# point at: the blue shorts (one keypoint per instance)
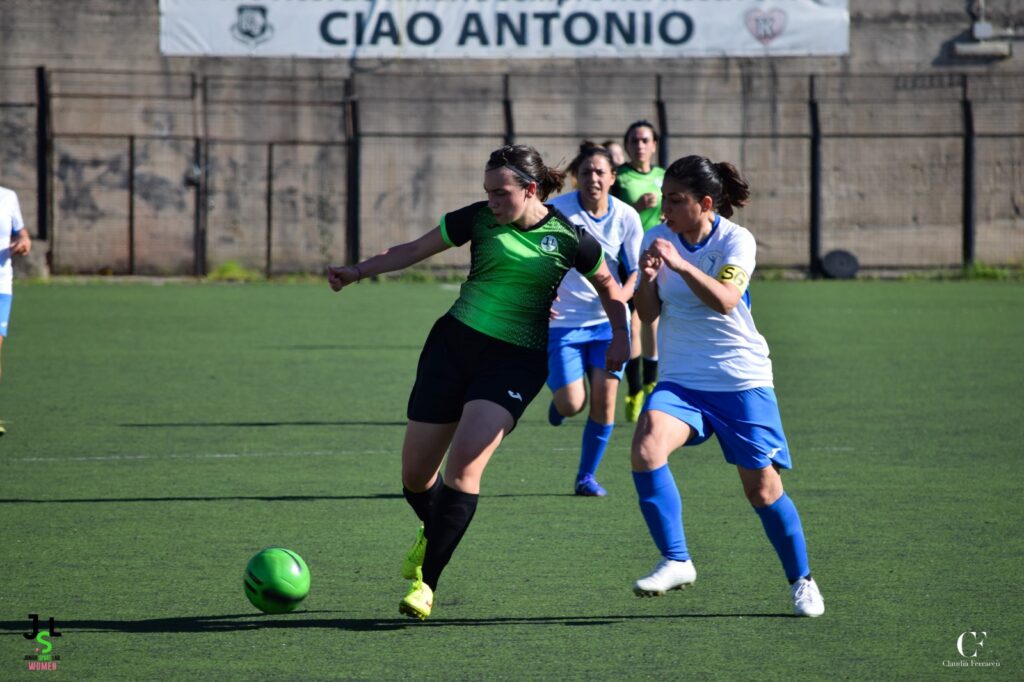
(5, 312)
(747, 423)
(574, 351)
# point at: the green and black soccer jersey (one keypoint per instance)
(514, 273)
(631, 184)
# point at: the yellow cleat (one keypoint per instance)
(634, 404)
(412, 566)
(418, 602)
(649, 389)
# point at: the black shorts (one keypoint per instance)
(459, 364)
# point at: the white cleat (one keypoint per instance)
(807, 600)
(667, 575)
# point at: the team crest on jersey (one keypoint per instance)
(549, 244)
(709, 262)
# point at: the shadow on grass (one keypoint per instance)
(226, 623)
(238, 622)
(525, 424)
(174, 425)
(201, 498)
(255, 498)
(347, 346)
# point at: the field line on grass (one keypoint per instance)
(218, 455)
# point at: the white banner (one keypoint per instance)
(504, 29)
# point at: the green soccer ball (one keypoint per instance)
(276, 580)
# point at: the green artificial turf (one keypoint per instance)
(159, 435)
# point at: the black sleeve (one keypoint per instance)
(457, 226)
(589, 255)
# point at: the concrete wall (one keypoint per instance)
(270, 138)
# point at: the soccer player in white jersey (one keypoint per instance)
(715, 375)
(580, 332)
(14, 241)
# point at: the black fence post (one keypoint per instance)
(969, 180)
(506, 105)
(201, 176)
(352, 174)
(270, 208)
(131, 204)
(42, 154)
(659, 104)
(200, 155)
(814, 269)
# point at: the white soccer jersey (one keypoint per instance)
(699, 348)
(619, 232)
(10, 224)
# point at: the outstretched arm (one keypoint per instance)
(389, 260)
(613, 300)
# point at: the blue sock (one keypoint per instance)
(782, 525)
(663, 511)
(555, 417)
(595, 442)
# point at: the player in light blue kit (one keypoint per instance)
(580, 332)
(715, 375)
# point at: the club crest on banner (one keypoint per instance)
(766, 26)
(252, 26)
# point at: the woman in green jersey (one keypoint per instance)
(639, 185)
(486, 359)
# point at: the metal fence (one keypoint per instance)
(177, 173)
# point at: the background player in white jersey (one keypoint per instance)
(14, 241)
(715, 375)
(580, 331)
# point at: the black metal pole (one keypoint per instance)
(969, 180)
(42, 154)
(352, 182)
(816, 180)
(199, 175)
(506, 105)
(659, 103)
(202, 161)
(199, 236)
(270, 207)
(131, 204)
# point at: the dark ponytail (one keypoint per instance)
(527, 166)
(720, 181)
